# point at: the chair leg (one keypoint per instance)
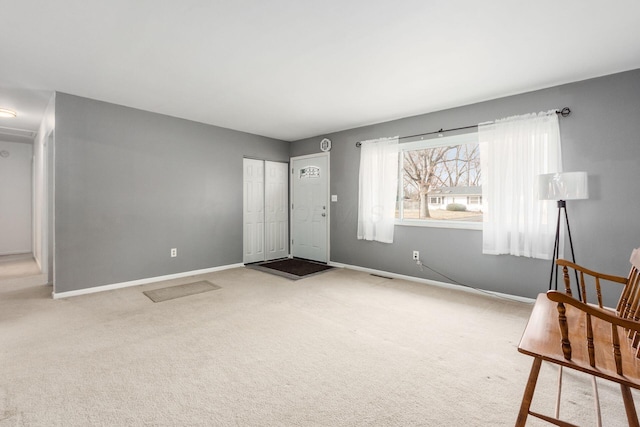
(629, 407)
(596, 398)
(528, 392)
(559, 393)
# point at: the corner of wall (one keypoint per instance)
(42, 189)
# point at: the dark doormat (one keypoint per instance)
(178, 291)
(291, 268)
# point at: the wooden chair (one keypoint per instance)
(586, 336)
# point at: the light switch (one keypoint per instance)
(334, 197)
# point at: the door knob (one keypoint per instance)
(324, 214)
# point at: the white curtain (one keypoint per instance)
(378, 189)
(513, 152)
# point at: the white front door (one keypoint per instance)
(253, 211)
(276, 202)
(310, 207)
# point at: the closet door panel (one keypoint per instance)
(276, 210)
(253, 211)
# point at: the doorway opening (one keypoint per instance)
(19, 167)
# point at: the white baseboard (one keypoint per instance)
(18, 252)
(429, 282)
(58, 295)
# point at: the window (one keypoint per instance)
(439, 183)
(474, 200)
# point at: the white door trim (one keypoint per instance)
(328, 204)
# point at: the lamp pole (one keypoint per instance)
(562, 205)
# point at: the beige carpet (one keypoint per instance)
(339, 349)
(15, 266)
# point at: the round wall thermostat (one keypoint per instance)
(325, 144)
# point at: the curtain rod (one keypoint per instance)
(564, 113)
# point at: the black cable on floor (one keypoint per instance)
(421, 264)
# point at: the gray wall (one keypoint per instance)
(130, 185)
(602, 137)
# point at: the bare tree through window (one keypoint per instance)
(438, 174)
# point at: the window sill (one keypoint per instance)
(461, 225)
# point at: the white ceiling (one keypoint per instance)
(291, 69)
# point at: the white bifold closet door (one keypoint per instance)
(265, 210)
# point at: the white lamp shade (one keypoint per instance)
(563, 186)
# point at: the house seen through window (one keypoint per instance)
(440, 182)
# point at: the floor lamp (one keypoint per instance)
(562, 187)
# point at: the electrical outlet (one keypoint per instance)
(174, 252)
(416, 255)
